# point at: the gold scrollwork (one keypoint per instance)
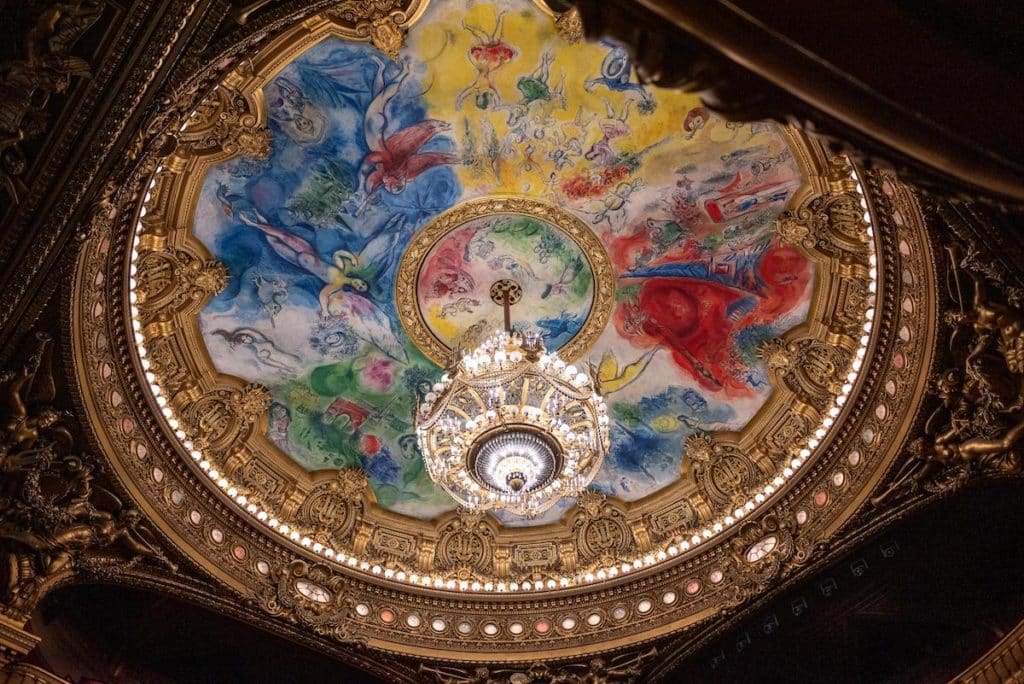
(225, 123)
(724, 472)
(222, 417)
(676, 516)
(599, 529)
(602, 534)
(173, 281)
(56, 520)
(810, 368)
(333, 507)
(312, 595)
(570, 26)
(392, 544)
(832, 224)
(466, 545)
(529, 558)
(384, 22)
(760, 552)
(29, 83)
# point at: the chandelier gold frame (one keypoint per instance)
(504, 386)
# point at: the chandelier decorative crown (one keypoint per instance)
(512, 426)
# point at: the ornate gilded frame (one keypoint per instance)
(206, 523)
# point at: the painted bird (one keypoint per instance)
(611, 378)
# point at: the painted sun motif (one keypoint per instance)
(487, 100)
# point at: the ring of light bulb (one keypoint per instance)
(515, 454)
(345, 558)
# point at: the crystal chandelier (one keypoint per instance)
(512, 426)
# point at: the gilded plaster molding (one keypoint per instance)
(646, 603)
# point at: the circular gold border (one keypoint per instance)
(423, 242)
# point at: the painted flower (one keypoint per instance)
(377, 375)
(370, 444)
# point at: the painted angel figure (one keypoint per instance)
(395, 157)
(488, 54)
(341, 296)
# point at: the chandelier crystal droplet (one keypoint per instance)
(513, 427)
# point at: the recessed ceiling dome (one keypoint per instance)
(321, 244)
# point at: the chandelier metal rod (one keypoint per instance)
(506, 304)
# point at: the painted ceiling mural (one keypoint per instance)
(485, 100)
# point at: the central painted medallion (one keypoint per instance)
(444, 281)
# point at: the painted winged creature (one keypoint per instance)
(616, 74)
(611, 377)
(535, 89)
(395, 158)
(340, 297)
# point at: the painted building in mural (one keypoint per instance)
(369, 151)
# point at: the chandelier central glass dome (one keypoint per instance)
(512, 426)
